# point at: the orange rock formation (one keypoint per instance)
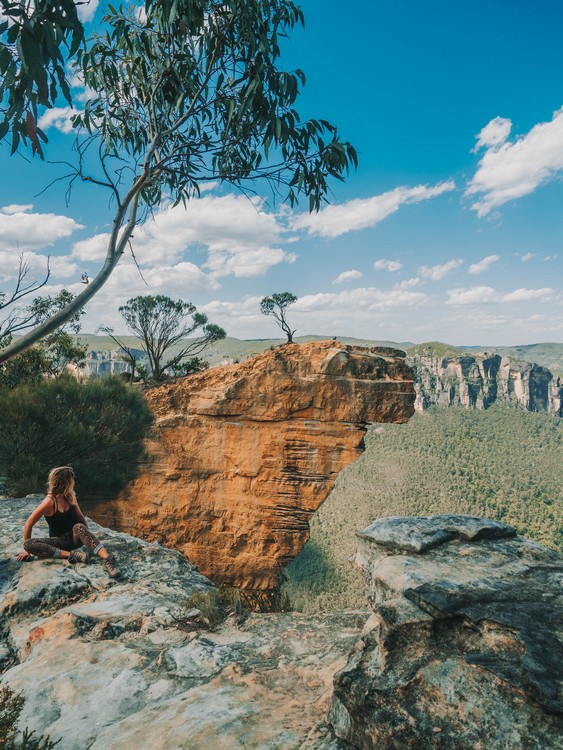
(240, 457)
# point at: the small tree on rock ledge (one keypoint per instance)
(276, 305)
(161, 323)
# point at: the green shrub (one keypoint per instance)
(96, 427)
(11, 706)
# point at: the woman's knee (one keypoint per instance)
(28, 545)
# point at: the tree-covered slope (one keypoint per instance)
(503, 463)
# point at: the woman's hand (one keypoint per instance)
(25, 555)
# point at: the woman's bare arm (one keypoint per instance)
(80, 515)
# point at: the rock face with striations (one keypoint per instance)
(477, 381)
(464, 650)
(241, 456)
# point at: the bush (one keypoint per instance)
(97, 427)
(11, 706)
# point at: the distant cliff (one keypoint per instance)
(478, 380)
(100, 363)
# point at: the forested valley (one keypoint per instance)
(502, 463)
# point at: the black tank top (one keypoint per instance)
(61, 522)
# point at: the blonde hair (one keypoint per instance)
(61, 482)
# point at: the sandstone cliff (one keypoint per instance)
(241, 456)
(464, 648)
(478, 381)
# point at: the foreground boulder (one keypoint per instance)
(241, 456)
(464, 649)
(126, 664)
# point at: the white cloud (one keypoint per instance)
(523, 295)
(179, 280)
(477, 295)
(367, 311)
(335, 220)
(240, 317)
(348, 276)
(63, 267)
(23, 230)
(245, 263)
(527, 256)
(388, 265)
(368, 298)
(92, 249)
(59, 118)
(16, 208)
(493, 134)
(408, 283)
(439, 271)
(551, 257)
(480, 295)
(238, 235)
(483, 265)
(87, 10)
(9, 265)
(510, 170)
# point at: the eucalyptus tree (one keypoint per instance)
(276, 305)
(165, 328)
(188, 93)
(36, 39)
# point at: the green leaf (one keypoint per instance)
(4, 128)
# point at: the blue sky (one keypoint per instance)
(450, 229)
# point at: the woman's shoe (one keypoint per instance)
(112, 568)
(77, 556)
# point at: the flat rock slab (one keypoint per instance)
(465, 645)
(423, 533)
(120, 664)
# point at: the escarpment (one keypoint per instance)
(240, 457)
(477, 381)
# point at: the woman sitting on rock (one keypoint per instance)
(67, 526)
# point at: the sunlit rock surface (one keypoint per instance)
(461, 652)
(464, 647)
(241, 456)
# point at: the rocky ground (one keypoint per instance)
(462, 649)
(125, 664)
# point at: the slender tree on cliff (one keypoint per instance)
(162, 323)
(276, 305)
(188, 93)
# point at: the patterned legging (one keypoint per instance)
(76, 538)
